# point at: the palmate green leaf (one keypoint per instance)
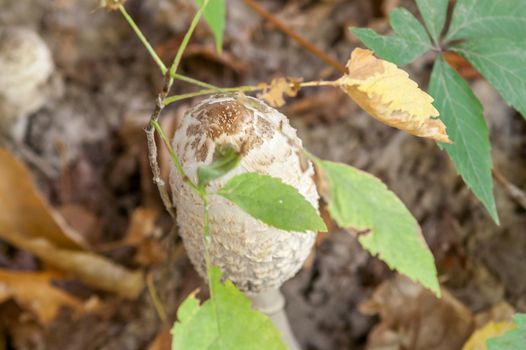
(226, 321)
(224, 160)
(474, 19)
(462, 113)
(503, 63)
(511, 340)
(409, 41)
(272, 201)
(361, 201)
(215, 17)
(434, 14)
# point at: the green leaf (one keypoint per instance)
(225, 159)
(275, 203)
(462, 113)
(474, 19)
(511, 340)
(361, 201)
(215, 17)
(503, 63)
(409, 41)
(226, 321)
(434, 14)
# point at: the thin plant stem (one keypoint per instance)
(196, 82)
(186, 39)
(143, 39)
(172, 99)
(173, 155)
(206, 238)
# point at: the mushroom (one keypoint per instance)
(25, 67)
(256, 257)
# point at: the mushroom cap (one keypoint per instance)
(255, 256)
(25, 66)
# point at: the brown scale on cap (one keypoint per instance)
(228, 118)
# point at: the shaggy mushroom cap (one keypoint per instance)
(25, 66)
(255, 256)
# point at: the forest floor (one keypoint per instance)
(90, 134)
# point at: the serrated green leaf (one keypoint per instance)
(361, 201)
(226, 321)
(511, 340)
(224, 160)
(462, 113)
(272, 201)
(474, 19)
(434, 14)
(503, 63)
(409, 41)
(215, 17)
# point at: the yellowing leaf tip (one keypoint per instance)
(389, 95)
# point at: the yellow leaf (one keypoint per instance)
(389, 95)
(274, 92)
(478, 339)
(33, 292)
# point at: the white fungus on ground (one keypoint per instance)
(25, 66)
(255, 256)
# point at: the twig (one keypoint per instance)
(307, 45)
(156, 171)
(513, 191)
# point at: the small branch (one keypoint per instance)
(307, 45)
(157, 179)
(514, 192)
(186, 39)
(143, 39)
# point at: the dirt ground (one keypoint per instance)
(89, 133)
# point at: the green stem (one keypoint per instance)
(196, 82)
(206, 239)
(143, 39)
(186, 39)
(173, 155)
(248, 88)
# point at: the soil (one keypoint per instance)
(90, 134)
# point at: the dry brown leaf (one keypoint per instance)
(34, 292)
(413, 318)
(24, 210)
(274, 93)
(478, 339)
(389, 95)
(94, 270)
(162, 341)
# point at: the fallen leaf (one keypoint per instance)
(24, 210)
(92, 269)
(274, 93)
(33, 292)
(162, 341)
(389, 95)
(478, 339)
(413, 318)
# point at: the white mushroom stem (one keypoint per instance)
(272, 304)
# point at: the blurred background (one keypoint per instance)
(88, 257)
